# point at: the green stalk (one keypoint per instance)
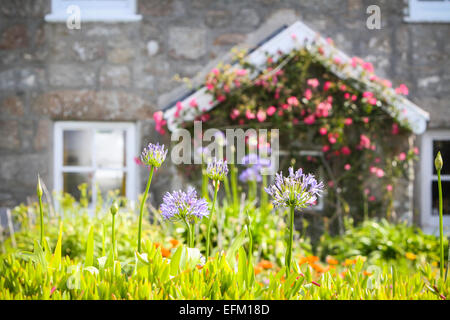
(142, 207)
(204, 183)
(113, 236)
(208, 235)
(290, 240)
(438, 163)
(188, 234)
(264, 195)
(41, 211)
(226, 184)
(441, 230)
(234, 187)
(114, 209)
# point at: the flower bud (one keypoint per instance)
(438, 163)
(39, 188)
(114, 208)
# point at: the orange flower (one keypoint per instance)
(349, 262)
(410, 256)
(366, 273)
(258, 270)
(157, 244)
(165, 252)
(319, 268)
(309, 259)
(332, 261)
(174, 242)
(265, 264)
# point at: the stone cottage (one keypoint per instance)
(79, 81)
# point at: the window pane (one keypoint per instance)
(444, 147)
(110, 148)
(72, 180)
(445, 198)
(110, 180)
(77, 147)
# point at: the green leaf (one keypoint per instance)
(175, 261)
(56, 260)
(242, 267)
(237, 243)
(39, 254)
(89, 260)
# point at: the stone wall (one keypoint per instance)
(125, 71)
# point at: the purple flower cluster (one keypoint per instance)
(154, 155)
(180, 205)
(217, 170)
(253, 173)
(297, 189)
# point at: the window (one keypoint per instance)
(100, 154)
(95, 10)
(428, 11)
(432, 142)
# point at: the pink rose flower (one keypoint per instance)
(402, 89)
(313, 82)
(193, 103)
(364, 141)
(308, 94)
(326, 148)
(250, 115)
(389, 188)
(323, 131)
(346, 151)
(402, 156)
(293, 101)
(395, 129)
(241, 72)
(380, 173)
(309, 119)
(326, 85)
(234, 114)
(261, 116)
(347, 167)
(271, 110)
(348, 121)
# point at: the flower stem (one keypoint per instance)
(142, 207)
(41, 211)
(441, 231)
(208, 235)
(188, 234)
(113, 236)
(290, 240)
(234, 187)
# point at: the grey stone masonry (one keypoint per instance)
(125, 71)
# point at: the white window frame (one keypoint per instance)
(130, 151)
(429, 222)
(428, 11)
(95, 10)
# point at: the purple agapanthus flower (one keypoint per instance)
(217, 170)
(250, 174)
(297, 189)
(256, 163)
(153, 155)
(180, 205)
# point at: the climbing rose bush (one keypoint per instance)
(350, 120)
